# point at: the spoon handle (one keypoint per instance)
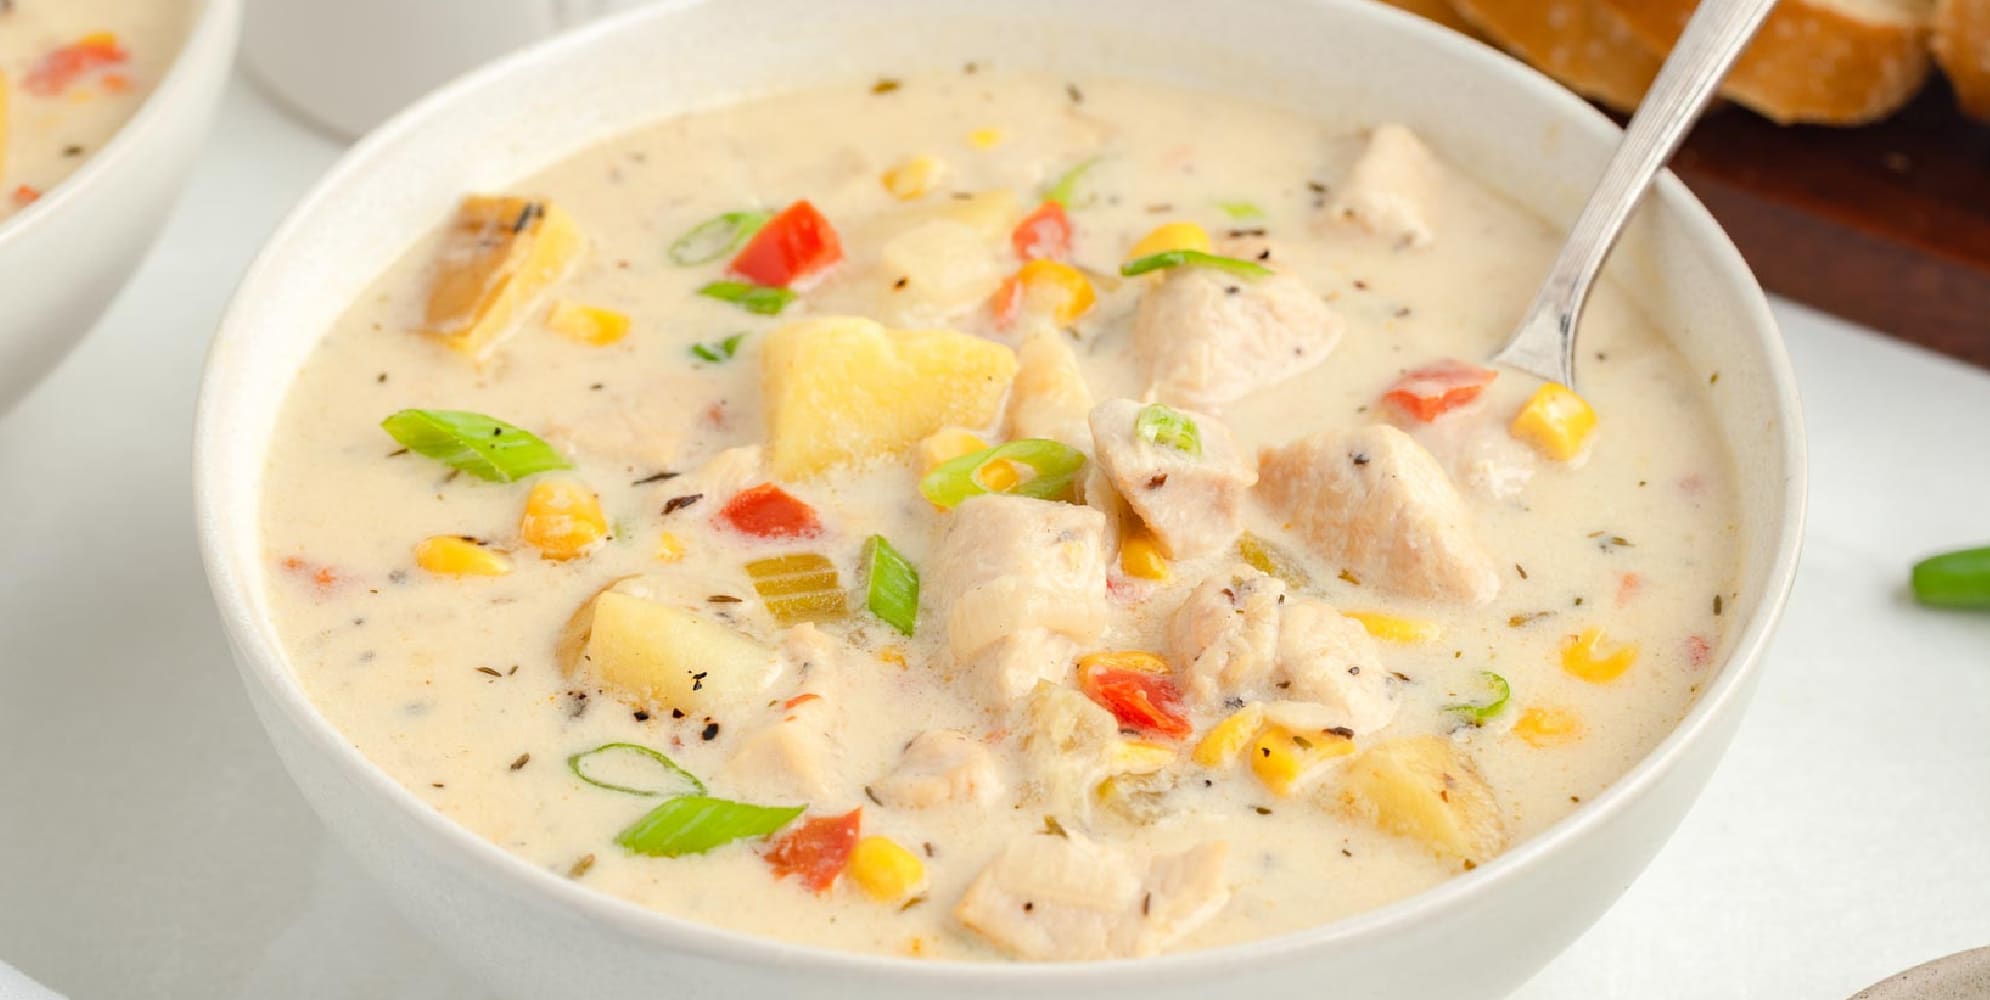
(1544, 343)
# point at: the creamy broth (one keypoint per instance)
(72, 72)
(455, 686)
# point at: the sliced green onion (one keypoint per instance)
(694, 824)
(1478, 714)
(715, 237)
(1164, 425)
(1066, 186)
(762, 300)
(1192, 258)
(891, 588)
(1055, 463)
(1954, 579)
(1241, 210)
(718, 351)
(1269, 559)
(482, 446)
(673, 780)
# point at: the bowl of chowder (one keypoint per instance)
(1013, 504)
(103, 104)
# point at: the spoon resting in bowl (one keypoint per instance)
(1543, 344)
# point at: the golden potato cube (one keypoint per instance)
(841, 390)
(498, 255)
(1423, 788)
(658, 656)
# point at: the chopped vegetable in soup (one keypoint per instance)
(958, 519)
(71, 73)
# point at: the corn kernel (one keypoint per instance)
(1285, 761)
(563, 519)
(893, 655)
(949, 443)
(1053, 288)
(669, 547)
(454, 555)
(1547, 727)
(1140, 555)
(985, 138)
(1557, 422)
(1587, 656)
(1125, 659)
(587, 324)
(911, 179)
(885, 871)
(1395, 628)
(1171, 236)
(1225, 740)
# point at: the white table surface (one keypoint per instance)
(151, 846)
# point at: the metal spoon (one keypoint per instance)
(1544, 342)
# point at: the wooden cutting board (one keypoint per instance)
(1887, 224)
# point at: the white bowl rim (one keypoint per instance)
(260, 655)
(215, 27)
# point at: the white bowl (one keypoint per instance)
(63, 258)
(534, 934)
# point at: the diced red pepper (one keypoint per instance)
(1698, 650)
(1428, 392)
(1007, 302)
(1045, 232)
(25, 195)
(817, 850)
(768, 511)
(1145, 701)
(64, 66)
(793, 245)
(1628, 586)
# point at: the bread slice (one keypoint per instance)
(1440, 11)
(1962, 46)
(1834, 62)
(1578, 42)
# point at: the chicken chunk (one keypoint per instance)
(1482, 457)
(1065, 741)
(1011, 666)
(643, 435)
(1390, 190)
(940, 766)
(1047, 898)
(1327, 658)
(1009, 563)
(1224, 637)
(1207, 338)
(1191, 498)
(1375, 502)
(793, 755)
(1049, 398)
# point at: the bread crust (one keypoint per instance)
(1811, 62)
(1962, 47)
(1581, 43)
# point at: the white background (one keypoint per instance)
(150, 845)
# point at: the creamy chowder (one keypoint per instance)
(72, 72)
(995, 517)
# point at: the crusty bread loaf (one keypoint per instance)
(1838, 62)
(1440, 11)
(1962, 46)
(1578, 42)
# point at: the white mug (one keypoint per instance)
(349, 64)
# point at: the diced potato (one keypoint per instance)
(1396, 628)
(840, 390)
(1286, 762)
(940, 268)
(1171, 236)
(1140, 554)
(1547, 727)
(562, 519)
(591, 325)
(1589, 656)
(454, 555)
(499, 254)
(1423, 788)
(1223, 743)
(885, 871)
(1557, 422)
(992, 213)
(659, 656)
(912, 178)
